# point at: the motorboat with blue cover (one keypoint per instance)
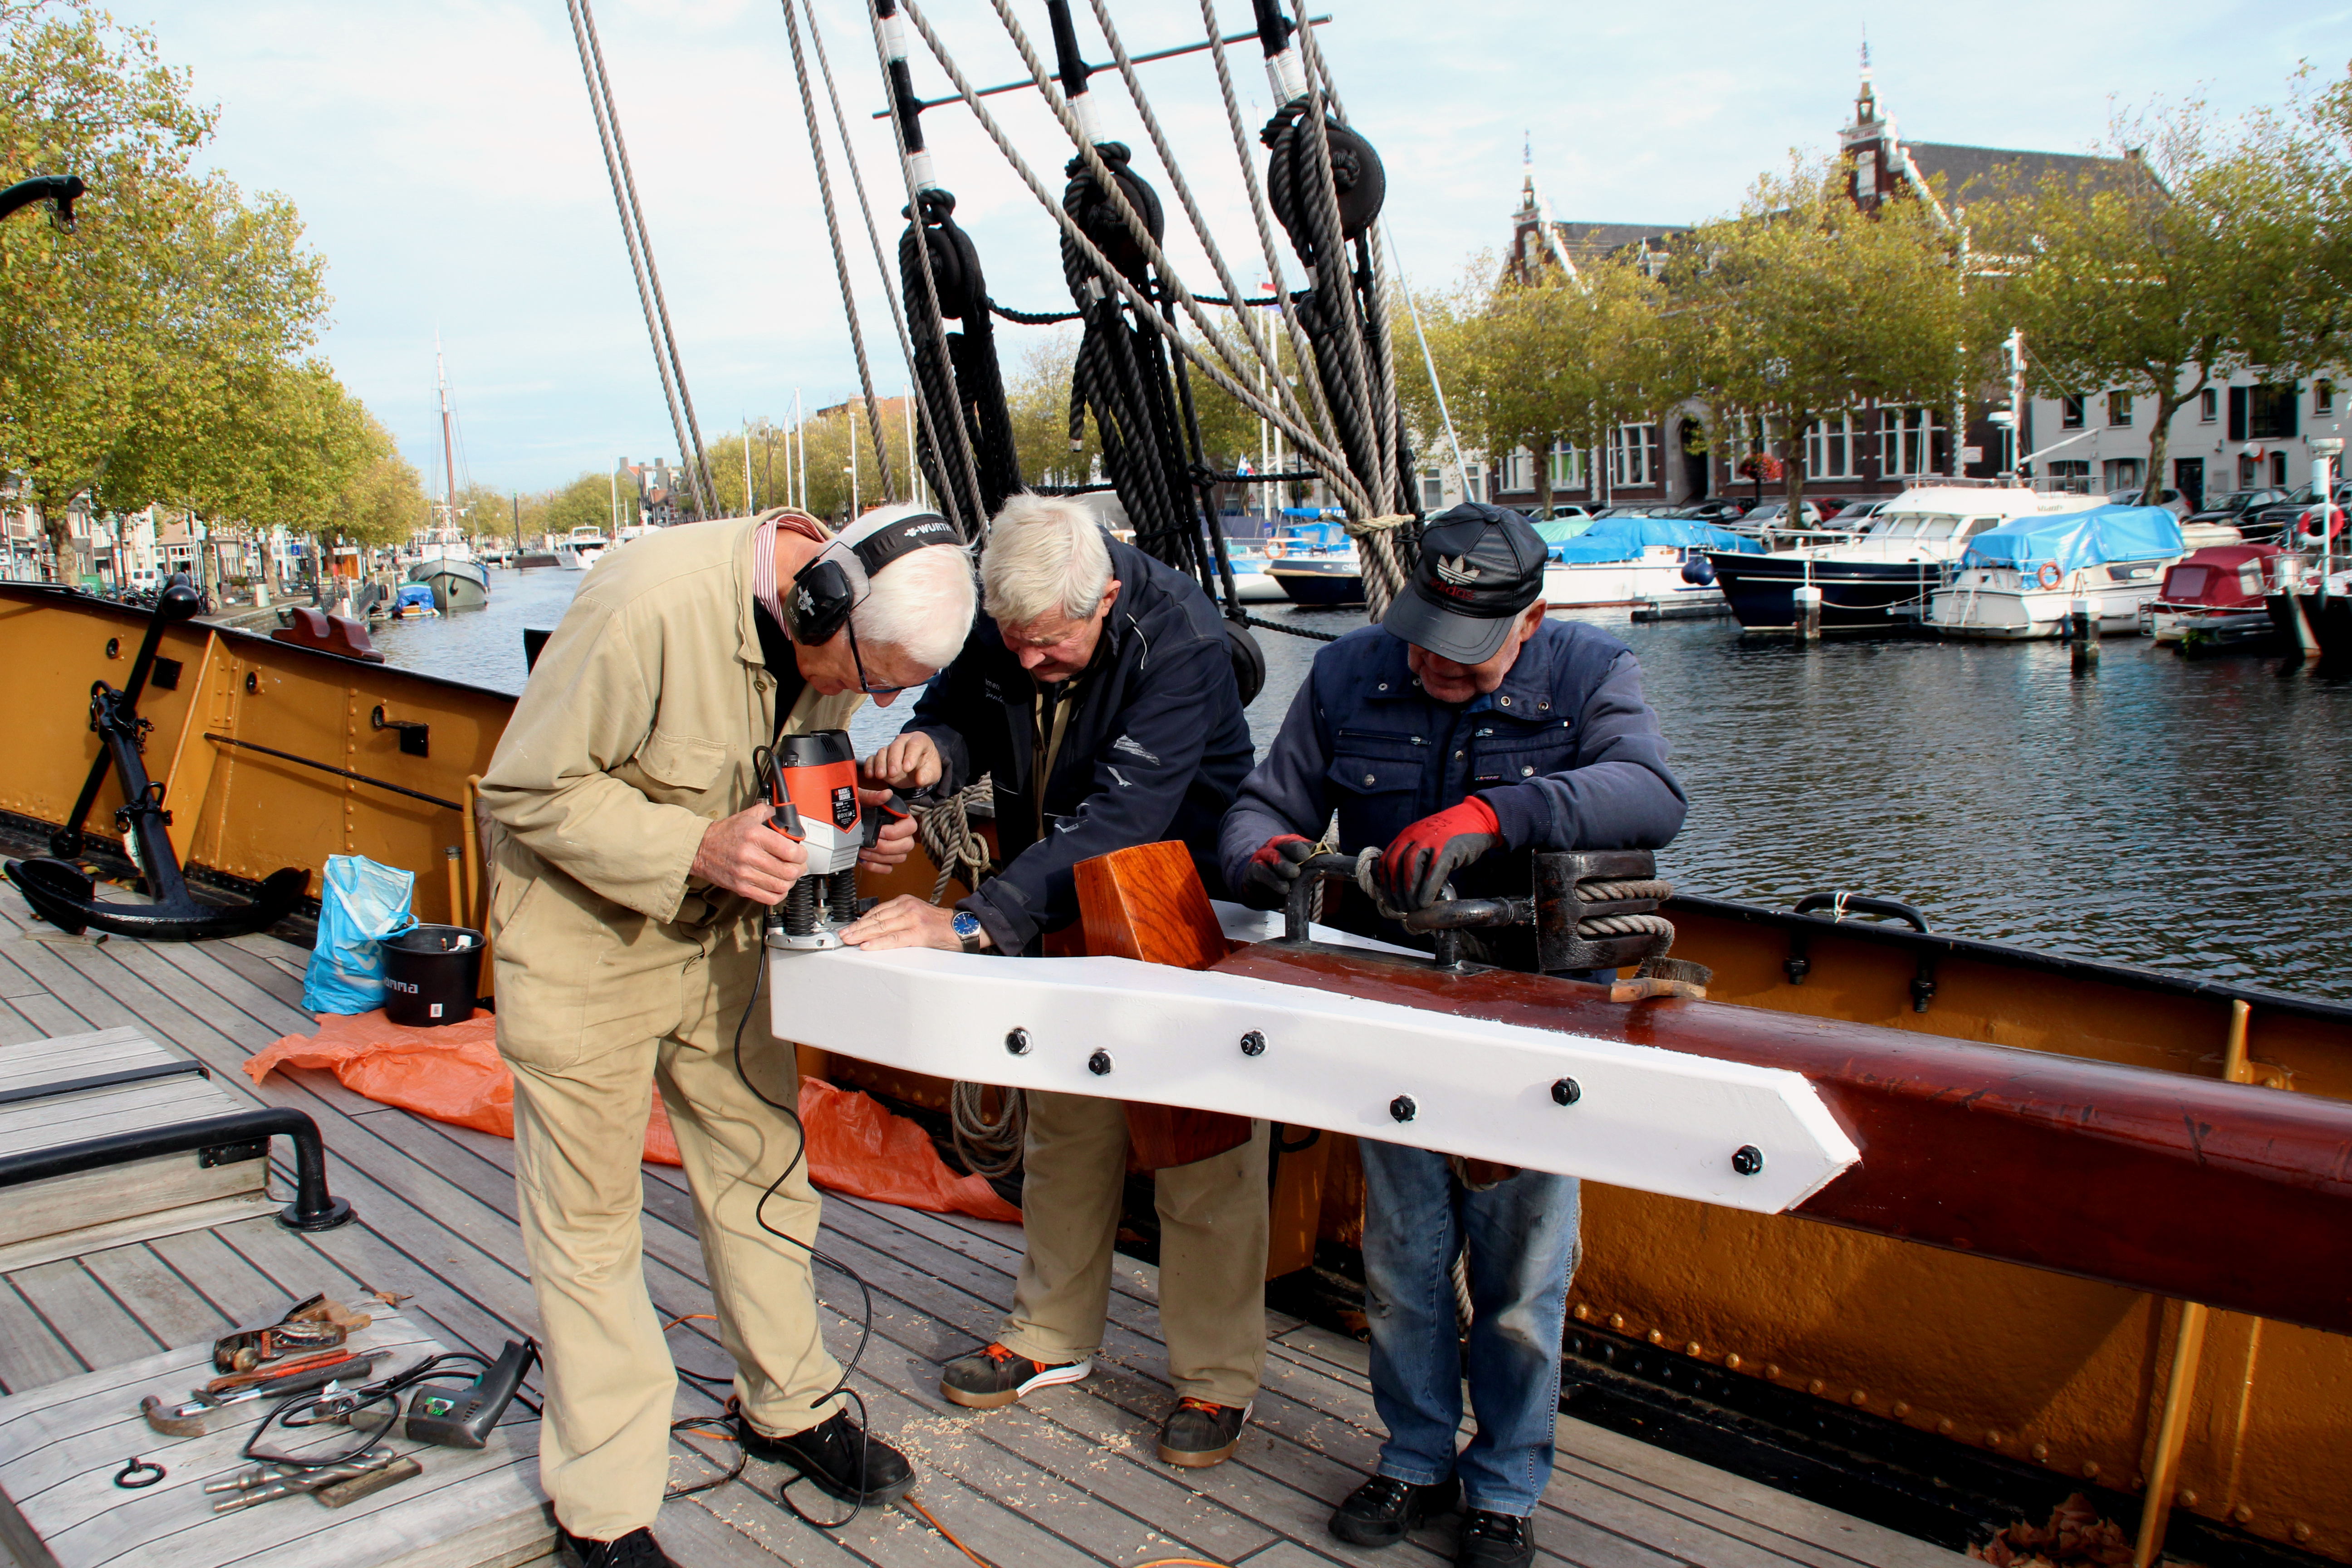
(1883, 575)
(1638, 560)
(2021, 579)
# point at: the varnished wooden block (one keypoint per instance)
(61, 1446)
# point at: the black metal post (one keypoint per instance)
(313, 1209)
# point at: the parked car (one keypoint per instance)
(1717, 510)
(1832, 506)
(1559, 511)
(2168, 500)
(1775, 514)
(2234, 509)
(1859, 512)
(2293, 521)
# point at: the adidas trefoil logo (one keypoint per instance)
(1457, 570)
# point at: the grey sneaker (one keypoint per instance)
(1198, 1434)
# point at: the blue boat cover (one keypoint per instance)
(2078, 539)
(1624, 539)
(415, 593)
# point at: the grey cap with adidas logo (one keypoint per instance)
(1480, 566)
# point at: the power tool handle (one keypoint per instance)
(892, 806)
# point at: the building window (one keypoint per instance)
(1433, 489)
(2119, 408)
(2323, 396)
(2264, 413)
(1832, 448)
(1631, 460)
(2070, 414)
(1907, 440)
(2209, 406)
(1518, 472)
(2071, 475)
(2123, 474)
(1566, 466)
(1474, 482)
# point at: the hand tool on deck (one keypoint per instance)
(288, 1480)
(209, 1411)
(311, 1325)
(462, 1417)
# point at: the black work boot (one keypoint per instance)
(1198, 1434)
(994, 1377)
(840, 1459)
(635, 1550)
(1496, 1541)
(1384, 1510)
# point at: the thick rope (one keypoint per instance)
(988, 1145)
(833, 230)
(1334, 467)
(945, 832)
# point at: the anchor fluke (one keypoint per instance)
(61, 894)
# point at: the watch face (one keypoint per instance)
(966, 923)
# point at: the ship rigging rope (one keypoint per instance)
(635, 235)
(918, 235)
(832, 229)
(1304, 440)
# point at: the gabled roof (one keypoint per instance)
(1978, 174)
(1591, 241)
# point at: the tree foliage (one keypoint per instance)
(1803, 305)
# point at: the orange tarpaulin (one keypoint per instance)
(453, 1074)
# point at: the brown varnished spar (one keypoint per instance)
(2220, 1192)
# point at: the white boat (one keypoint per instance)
(1885, 572)
(579, 549)
(1252, 583)
(448, 564)
(2022, 580)
(1632, 559)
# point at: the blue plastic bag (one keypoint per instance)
(363, 904)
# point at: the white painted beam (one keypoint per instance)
(1657, 1120)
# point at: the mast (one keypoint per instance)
(448, 448)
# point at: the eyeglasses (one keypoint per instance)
(865, 685)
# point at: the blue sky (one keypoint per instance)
(443, 157)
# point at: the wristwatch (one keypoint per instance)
(966, 926)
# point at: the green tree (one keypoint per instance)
(128, 344)
(2155, 282)
(382, 501)
(1803, 305)
(585, 502)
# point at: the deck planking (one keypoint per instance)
(1069, 1476)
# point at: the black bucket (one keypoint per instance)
(431, 974)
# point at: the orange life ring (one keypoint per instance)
(2048, 576)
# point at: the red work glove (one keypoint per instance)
(1274, 867)
(1416, 868)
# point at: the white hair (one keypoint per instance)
(921, 604)
(1046, 556)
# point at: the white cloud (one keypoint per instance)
(443, 156)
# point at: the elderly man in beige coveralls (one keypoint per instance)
(631, 853)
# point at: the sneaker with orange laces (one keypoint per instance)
(991, 1378)
(1198, 1434)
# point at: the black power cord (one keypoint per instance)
(385, 1392)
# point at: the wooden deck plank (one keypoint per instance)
(31, 1352)
(150, 1292)
(15, 1029)
(233, 1288)
(99, 1329)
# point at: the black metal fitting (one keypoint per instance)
(1748, 1159)
(1016, 1041)
(1098, 1064)
(1840, 905)
(313, 1209)
(1254, 1044)
(1566, 1091)
(414, 738)
(1403, 1109)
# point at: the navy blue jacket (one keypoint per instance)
(1154, 748)
(1565, 751)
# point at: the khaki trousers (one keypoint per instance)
(604, 1452)
(1212, 1240)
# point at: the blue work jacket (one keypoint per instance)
(1566, 752)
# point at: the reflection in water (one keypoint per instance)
(2180, 814)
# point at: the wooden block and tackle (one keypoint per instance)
(71, 1497)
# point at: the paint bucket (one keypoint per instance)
(432, 974)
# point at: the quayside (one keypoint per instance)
(1921, 1385)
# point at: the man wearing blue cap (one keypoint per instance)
(1462, 732)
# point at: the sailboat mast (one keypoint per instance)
(448, 446)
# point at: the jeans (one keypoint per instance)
(1522, 1238)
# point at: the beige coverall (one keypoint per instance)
(613, 972)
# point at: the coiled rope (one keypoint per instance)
(988, 1145)
(945, 832)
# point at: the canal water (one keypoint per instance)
(2187, 816)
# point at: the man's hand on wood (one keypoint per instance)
(745, 855)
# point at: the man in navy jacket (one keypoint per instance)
(1462, 732)
(1099, 692)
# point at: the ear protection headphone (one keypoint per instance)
(825, 590)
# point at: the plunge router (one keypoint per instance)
(813, 786)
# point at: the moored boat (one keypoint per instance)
(1638, 560)
(1884, 575)
(447, 565)
(2212, 600)
(579, 549)
(2022, 580)
(1320, 579)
